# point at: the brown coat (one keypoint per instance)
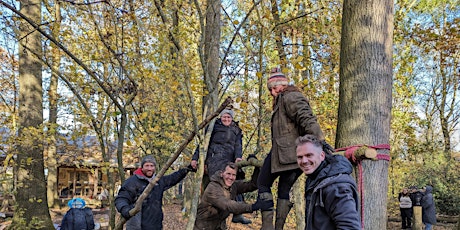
(292, 117)
(218, 202)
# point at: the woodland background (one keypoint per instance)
(143, 74)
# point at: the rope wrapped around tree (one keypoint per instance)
(356, 154)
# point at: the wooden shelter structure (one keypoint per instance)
(82, 170)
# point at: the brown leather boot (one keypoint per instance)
(283, 207)
(267, 216)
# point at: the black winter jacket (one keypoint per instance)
(78, 219)
(332, 197)
(225, 146)
(151, 214)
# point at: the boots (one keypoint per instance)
(283, 207)
(239, 218)
(267, 216)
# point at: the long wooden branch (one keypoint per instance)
(171, 160)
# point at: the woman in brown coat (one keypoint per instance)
(292, 117)
(218, 200)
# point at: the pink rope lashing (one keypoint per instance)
(349, 154)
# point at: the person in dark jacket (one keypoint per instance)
(330, 191)
(428, 208)
(225, 146)
(151, 214)
(292, 117)
(405, 208)
(78, 217)
(218, 200)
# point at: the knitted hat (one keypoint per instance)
(227, 111)
(276, 78)
(149, 159)
(76, 203)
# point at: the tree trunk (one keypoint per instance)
(32, 206)
(52, 186)
(365, 97)
(278, 33)
(211, 67)
(211, 55)
(299, 202)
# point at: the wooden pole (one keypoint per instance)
(417, 223)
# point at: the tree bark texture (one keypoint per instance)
(52, 186)
(32, 205)
(211, 54)
(365, 97)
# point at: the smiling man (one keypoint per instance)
(330, 191)
(151, 214)
(218, 201)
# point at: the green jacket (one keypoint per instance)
(292, 117)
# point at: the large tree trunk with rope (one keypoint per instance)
(365, 99)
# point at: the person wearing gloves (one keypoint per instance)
(218, 200)
(151, 214)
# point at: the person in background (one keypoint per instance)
(405, 208)
(151, 214)
(78, 217)
(225, 146)
(218, 199)
(330, 191)
(428, 208)
(292, 117)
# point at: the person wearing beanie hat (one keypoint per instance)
(225, 145)
(148, 159)
(227, 111)
(292, 117)
(151, 214)
(276, 78)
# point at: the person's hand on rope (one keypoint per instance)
(327, 148)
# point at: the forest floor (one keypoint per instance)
(174, 220)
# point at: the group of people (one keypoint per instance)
(298, 146)
(412, 196)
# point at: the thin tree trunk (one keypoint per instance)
(365, 97)
(52, 164)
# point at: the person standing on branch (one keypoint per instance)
(292, 117)
(330, 191)
(151, 214)
(225, 146)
